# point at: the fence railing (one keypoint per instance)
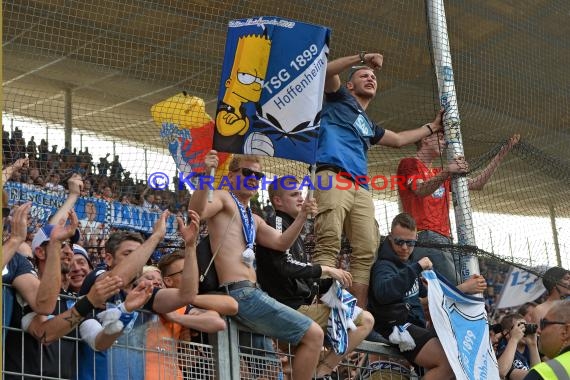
(147, 350)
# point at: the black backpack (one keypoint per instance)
(208, 282)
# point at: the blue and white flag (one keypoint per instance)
(341, 318)
(462, 328)
(271, 88)
(520, 287)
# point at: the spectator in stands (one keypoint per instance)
(152, 273)
(79, 269)
(54, 184)
(6, 151)
(554, 330)
(17, 145)
(234, 229)
(106, 194)
(517, 351)
(33, 175)
(159, 202)
(527, 310)
(18, 226)
(8, 172)
(268, 211)
(120, 246)
(87, 190)
(128, 185)
(53, 159)
(160, 359)
(212, 305)
(291, 279)
(31, 148)
(43, 154)
(345, 136)
(18, 271)
(425, 196)
(116, 169)
(556, 280)
(394, 298)
(148, 200)
(103, 165)
(53, 360)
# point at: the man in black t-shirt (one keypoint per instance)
(291, 279)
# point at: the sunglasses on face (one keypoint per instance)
(545, 322)
(400, 242)
(247, 172)
(174, 274)
(63, 244)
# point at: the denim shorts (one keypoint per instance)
(264, 315)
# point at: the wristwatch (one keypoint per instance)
(362, 56)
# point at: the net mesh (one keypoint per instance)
(101, 65)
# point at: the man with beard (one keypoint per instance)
(41, 357)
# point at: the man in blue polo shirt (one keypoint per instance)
(345, 135)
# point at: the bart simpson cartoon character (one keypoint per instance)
(244, 85)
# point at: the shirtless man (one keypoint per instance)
(234, 229)
(556, 280)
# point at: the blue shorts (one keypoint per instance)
(264, 315)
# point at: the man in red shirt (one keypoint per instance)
(426, 196)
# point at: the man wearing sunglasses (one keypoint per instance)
(233, 232)
(395, 282)
(345, 135)
(554, 342)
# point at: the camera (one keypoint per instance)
(529, 328)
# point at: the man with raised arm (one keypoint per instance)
(126, 254)
(345, 135)
(426, 196)
(233, 231)
(45, 354)
(290, 278)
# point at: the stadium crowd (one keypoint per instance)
(79, 290)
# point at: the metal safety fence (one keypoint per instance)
(145, 351)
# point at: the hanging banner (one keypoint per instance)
(271, 88)
(462, 327)
(96, 216)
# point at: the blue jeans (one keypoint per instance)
(444, 262)
(264, 315)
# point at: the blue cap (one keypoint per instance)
(79, 250)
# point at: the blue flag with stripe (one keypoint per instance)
(271, 89)
(462, 327)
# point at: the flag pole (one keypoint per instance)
(448, 99)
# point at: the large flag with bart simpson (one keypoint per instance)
(271, 88)
(188, 132)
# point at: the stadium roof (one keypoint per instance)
(117, 58)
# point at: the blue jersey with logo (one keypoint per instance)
(346, 133)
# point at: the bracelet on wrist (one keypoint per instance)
(84, 306)
(430, 130)
(362, 56)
